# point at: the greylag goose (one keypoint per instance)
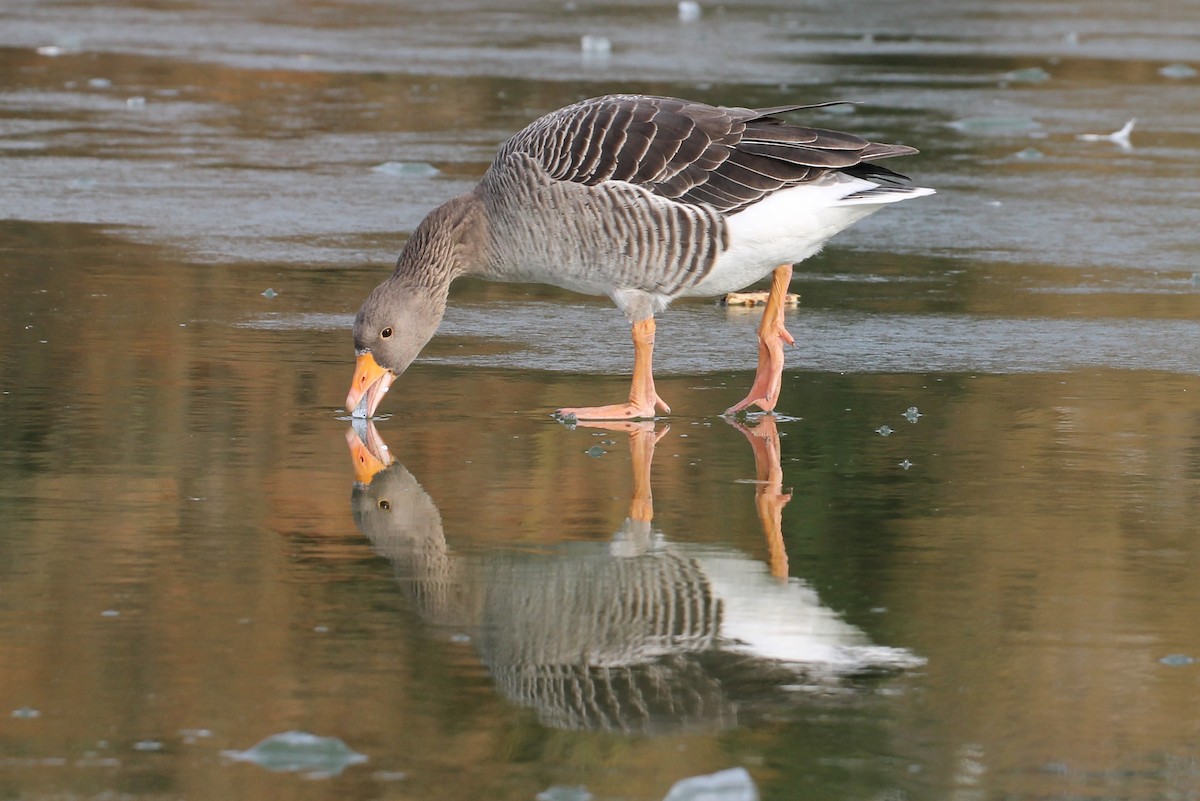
(643, 199)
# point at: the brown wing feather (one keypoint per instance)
(728, 158)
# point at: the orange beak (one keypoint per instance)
(370, 380)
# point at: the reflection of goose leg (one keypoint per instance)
(769, 496)
(642, 439)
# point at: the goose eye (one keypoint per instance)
(385, 333)
(385, 505)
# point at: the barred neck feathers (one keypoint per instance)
(449, 242)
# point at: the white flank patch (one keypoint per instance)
(791, 225)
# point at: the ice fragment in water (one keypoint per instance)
(579, 793)
(148, 745)
(595, 46)
(911, 414)
(595, 451)
(1121, 137)
(1177, 660)
(269, 293)
(389, 775)
(689, 10)
(1177, 71)
(406, 169)
(1030, 75)
(135, 103)
(50, 50)
(99, 83)
(884, 431)
(994, 124)
(734, 784)
(1029, 154)
(190, 736)
(298, 751)
(26, 712)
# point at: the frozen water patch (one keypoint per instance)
(299, 322)
(696, 338)
(733, 784)
(300, 752)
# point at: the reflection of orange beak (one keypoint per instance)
(369, 456)
(370, 380)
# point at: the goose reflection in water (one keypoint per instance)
(634, 634)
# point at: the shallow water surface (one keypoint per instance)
(960, 561)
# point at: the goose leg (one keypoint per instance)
(764, 393)
(643, 400)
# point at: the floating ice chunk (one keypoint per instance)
(147, 745)
(1177, 660)
(1178, 71)
(578, 793)
(135, 103)
(389, 775)
(298, 751)
(1027, 75)
(50, 50)
(595, 47)
(406, 169)
(689, 10)
(1029, 154)
(1071, 38)
(26, 712)
(99, 83)
(595, 451)
(994, 124)
(192, 736)
(1121, 137)
(734, 784)
(268, 293)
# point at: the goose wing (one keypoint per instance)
(697, 154)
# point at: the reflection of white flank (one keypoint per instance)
(636, 634)
(785, 621)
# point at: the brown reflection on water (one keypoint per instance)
(1061, 564)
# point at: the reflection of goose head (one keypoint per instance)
(404, 526)
(631, 634)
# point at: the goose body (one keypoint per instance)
(643, 199)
